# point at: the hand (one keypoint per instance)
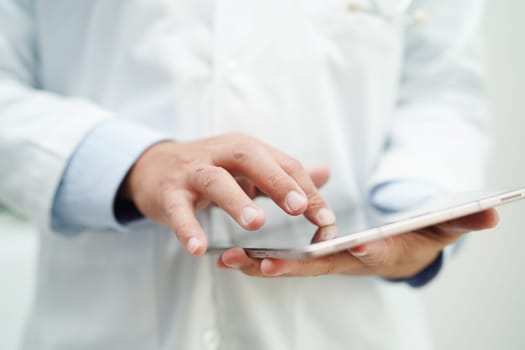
(171, 181)
(401, 256)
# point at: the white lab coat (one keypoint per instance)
(323, 83)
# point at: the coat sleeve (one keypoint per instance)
(62, 159)
(439, 129)
(38, 130)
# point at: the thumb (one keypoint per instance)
(375, 253)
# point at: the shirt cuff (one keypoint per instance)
(425, 276)
(86, 195)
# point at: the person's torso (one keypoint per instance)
(315, 78)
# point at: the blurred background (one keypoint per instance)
(478, 303)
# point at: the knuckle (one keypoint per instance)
(385, 258)
(312, 267)
(331, 265)
(380, 257)
(277, 180)
(291, 165)
(404, 248)
(172, 208)
(315, 201)
(240, 153)
(207, 177)
(244, 149)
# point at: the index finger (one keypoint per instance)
(318, 211)
(254, 161)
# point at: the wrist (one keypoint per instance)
(424, 276)
(408, 270)
(136, 176)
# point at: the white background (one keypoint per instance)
(479, 303)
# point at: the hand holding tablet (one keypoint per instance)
(389, 249)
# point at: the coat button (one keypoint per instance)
(353, 6)
(211, 339)
(419, 16)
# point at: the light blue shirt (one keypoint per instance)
(88, 189)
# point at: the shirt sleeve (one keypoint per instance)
(86, 195)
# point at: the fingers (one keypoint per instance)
(219, 186)
(247, 186)
(448, 232)
(325, 233)
(237, 259)
(280, 177)
(319, 175)
(475, 222)
(255, 162)
(318, 211)
(180, 211)
(401, 256)
(298, 268)
(404, 255)
(374, 254)
(170, 181)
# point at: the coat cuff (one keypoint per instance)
(86, 194)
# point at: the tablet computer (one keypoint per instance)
(349, 234)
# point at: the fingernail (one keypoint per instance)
(295, 201)
(268, 264)
(373, 254)
(325, 217)
(232, 265)
(193, 245)
(248, 215)
(359, 253)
